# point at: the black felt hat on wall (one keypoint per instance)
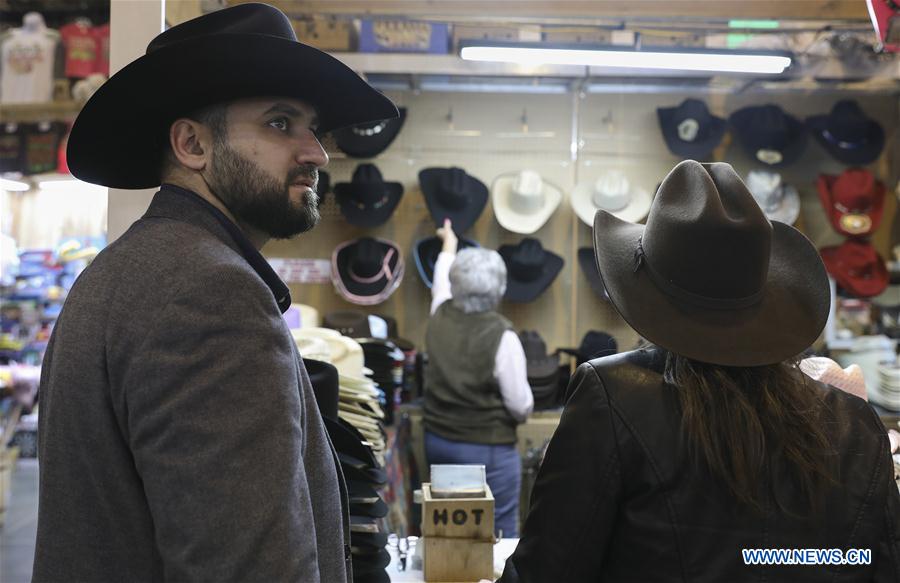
(769, 135)
(710, 277)
(425, 254)
(367, 140)
(366, 271)
(368, 201)
(848, 134)
(530, 269)
(248, 50)
(451, 193)
(690, 130)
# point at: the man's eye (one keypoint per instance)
(280, 123)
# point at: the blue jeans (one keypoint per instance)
(503, 466)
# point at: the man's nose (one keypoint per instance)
(312, 152)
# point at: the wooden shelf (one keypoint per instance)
(37, 112)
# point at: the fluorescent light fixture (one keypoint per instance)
(72, 186)
(724, 61)
(13, 185)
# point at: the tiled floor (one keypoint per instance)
(17, 535)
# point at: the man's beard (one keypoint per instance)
(256, 198)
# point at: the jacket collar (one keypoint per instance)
(180, 204)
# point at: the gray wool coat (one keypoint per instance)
(179, 437)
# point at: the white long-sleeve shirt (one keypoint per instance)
(510, 368)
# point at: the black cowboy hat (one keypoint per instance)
(323, 377)
(709, 277)
(374, 509)
(848, 134)
(690, 130)
(369, 139)
(367, 201)
(452, 194)
(367, 541)
(769, 135)
(594, 344)
(425, 254)
(249, 50)
(347, 440)
(530, 269)
(366, 271)
(348, 322)
(366, 564)
(589, 269)
(361, 471)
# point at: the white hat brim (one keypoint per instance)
(583, 205)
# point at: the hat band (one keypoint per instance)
(832, 139)
(679, 293)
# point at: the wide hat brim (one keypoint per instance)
(366, 215)
(786, 321)
(697, 150)
(864, 154)
(837, 264)
(425, 254)
(583, 204)
(119, 137)
(527, 291)
(589, 268)
(519, 222)
(363, 146)
(462, 219)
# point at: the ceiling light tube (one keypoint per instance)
(723, 61)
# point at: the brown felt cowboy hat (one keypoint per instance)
(710, 277)
(248, 50)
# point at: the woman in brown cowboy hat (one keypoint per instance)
(676, 462)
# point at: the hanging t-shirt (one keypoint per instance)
(101, 35)
(81, 47)
(12, 148)
(41, 143)
(28, 65)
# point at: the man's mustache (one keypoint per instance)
(307, 171)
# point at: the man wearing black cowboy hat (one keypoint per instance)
(179, 434)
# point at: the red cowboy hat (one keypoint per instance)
(853, 201)
(856, 267)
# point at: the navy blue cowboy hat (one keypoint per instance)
(425, 254)
(367, 200)
(769, 135)
(690, 130)
(848, 134)
(249, 50)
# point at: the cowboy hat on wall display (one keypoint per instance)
(613, 193)
(451, 193)
(119, 137)
(769, 135)
(366, 271)
(848, 134)
(368, 201)
(369, 139)
(523, 201)
(779, 201)
(690, 130)
(530, 269)
(853, 201)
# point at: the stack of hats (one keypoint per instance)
(363, 474)
(386, 361)
(543, 371)
(854, 202)
(359, 401)
(889, 384)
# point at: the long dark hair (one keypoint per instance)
(743, 422)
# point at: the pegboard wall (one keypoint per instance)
(567, 138)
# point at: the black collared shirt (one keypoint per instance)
(251, 254)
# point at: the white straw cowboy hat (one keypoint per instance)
(779, 201)
(523, 201)
(611, 192)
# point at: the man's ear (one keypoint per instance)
(191, 143)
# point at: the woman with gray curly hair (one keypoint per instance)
(476, 382)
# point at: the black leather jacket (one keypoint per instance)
(616, 498)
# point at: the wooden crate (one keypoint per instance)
(458, 559)
(465, 518)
